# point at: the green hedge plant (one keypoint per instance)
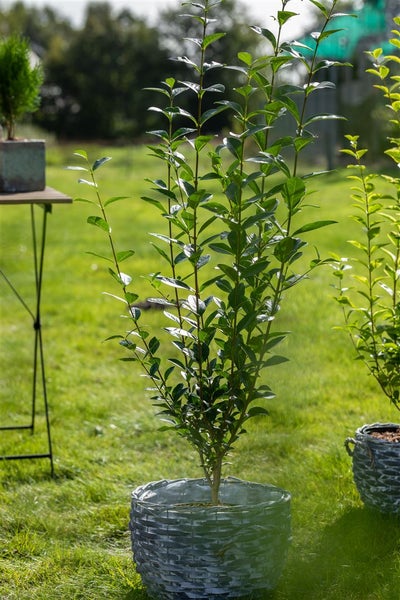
(231, 240)
(368, 286)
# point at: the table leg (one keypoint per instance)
(39, 246)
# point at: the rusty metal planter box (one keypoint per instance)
(22, 166)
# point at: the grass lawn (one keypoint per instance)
(67, 537)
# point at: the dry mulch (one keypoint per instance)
(391, 435)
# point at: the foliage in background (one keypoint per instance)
(95, 72)
(99, 77)
(371, 305)
(20, 82)
(226, 261)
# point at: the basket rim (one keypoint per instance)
(283, 495)
(366, 430)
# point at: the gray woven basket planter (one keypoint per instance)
(376, 468)
(185, 548)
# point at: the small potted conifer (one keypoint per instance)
(22, 162)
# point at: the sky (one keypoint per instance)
(259, 9)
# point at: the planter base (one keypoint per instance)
(376, 467)
(185, 548)
(22, 166)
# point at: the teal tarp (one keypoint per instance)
(369, 21)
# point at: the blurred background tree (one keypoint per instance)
(95, 74)
(96, 79)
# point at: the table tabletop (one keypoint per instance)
(46, 196)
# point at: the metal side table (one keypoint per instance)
(44, 199)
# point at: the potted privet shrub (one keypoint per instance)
(22, 162)
(232, 232)
(369, 294)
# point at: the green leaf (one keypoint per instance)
(131, 297)
(162, 237)
(327, 33)
(257, 411)
(178, 332)
(81, 154)
(156, 203)
(278, 61)
(286, 249)
(275, 340)
(196, 305)
(302, 142)
(99, 256)
(202, 141)
(245, 57)
(229, 271)
(98, 222)
(234, 145)
(208, 114)
(284, 16)
(275, 360)
(255, 268)
(124, 278)
(123, 255)
(86, 182)
(136, 313)
(314, 225)
(237, 295)
(322, 117)
(85, 200)
(292, 107)
(318, 85)
(154, 345)
(293, 191)
(115, 199)
(175, 283)
(76, 168)
(216, 207)
(267, 33)
(221, 248)
(215, 87)
(116, 297)
(321, 7)
(162, 253)
(182, 132)
(358, 245)
(210, 39)
(100, 161)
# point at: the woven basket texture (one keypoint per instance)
(185, 548)
(376, 468)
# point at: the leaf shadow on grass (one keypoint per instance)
(357, 557)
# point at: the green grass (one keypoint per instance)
(68, 538)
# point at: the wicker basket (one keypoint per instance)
(185, 548)
(376, 467)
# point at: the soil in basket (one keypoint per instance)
(388, 436)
